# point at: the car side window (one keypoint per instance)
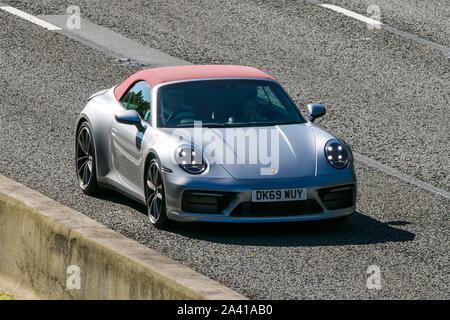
(138, 97)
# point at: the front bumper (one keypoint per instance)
(240, 191)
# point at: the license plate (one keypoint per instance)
(268, 195)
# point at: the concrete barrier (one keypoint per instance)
(40, 239)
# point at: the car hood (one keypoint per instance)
(284, 151)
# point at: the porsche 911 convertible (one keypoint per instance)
(213, 143)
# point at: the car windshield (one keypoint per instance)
(225, 103)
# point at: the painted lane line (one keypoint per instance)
(393, 172)
(30, 18)
(351, 14)
(112, 43)
(379, 24)
(413, 37)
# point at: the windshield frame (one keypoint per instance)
(156, 96)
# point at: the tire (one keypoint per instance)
(155, 195)
(85, 162)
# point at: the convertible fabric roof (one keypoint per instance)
(166, 74)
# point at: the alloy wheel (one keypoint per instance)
(85, 157)
(154, 192)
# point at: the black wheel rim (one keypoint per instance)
(85, 157)
(155, 192)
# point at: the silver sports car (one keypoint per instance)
(213, 143)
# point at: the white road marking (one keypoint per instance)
(30, 18)
(391, 171)
(112, 43)
(381, 25)
(359, 157)
(351, 14)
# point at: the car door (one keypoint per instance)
(127, 139)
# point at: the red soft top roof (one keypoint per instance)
(166, 74)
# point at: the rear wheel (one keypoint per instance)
(85, 161)
(155, 195)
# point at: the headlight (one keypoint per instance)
(337, 154)
(190, 160)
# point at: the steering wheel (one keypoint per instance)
(184, 113)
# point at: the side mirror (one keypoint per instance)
(130, 117)
(315, 111)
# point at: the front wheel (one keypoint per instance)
(155, 196)
(85, 161)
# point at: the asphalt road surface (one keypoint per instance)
(387, 96)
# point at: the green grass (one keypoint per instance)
(4, 296)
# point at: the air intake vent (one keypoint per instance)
(276, 209)
(338, 197)
(205, 202)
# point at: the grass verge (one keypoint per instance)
(5, 296)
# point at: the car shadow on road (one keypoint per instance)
(356, 230)
(118, 198)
